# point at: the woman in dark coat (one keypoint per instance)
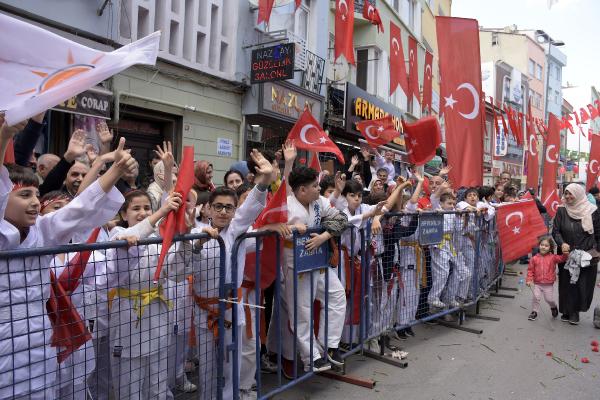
(576, 226)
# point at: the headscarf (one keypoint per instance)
(201, 182)
(581, 209)
(159, 173)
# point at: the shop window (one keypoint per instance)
(362, 68)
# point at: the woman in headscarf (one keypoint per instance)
(203, 171)
(576, 227)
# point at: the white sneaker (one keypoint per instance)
(247, 394)
(437, 304)
(187, 386)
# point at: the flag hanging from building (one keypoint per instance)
(265, 7)
(550, 197)
(378, 132)
(397, 66)
(40, 69)
(422, 138)
(308, 134)
(413, 71)
(594, 162)
(519, 227)
(344, 30)
(371, 13)
(427, 82)
(533, 162)
(460, 67)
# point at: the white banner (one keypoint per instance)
(39, 69)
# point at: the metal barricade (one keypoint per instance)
(87, 321)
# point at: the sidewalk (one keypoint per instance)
(508, 361)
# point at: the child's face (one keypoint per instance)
(448, 205)
(329, 191)
(472, 199)
(23, 207)
(382, 175)
(222, 211)
(544, 247)
(139, 209)
(378, 187)
(311, 191)
(354, 200)
(499, 192)
(54, 206)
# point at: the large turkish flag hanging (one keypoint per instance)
(550, 196)
(594, 162)
(344, 30)
(519, 227)
(460, 72)
(397, 67)
(413, 71)
(427, 86)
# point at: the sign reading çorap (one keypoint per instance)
(309, 260)
(90, 103)
(431, 228)
(273, 63)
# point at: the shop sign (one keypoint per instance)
(90, 103)
(360, 105)
(285, 102)
(272, 63)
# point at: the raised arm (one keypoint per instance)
(57, 175)
(289, 155)
(414, 199)
(400, 186)
(26, 140)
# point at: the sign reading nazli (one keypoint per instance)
(272, 63)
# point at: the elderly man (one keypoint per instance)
(505, 178)
(45, 163)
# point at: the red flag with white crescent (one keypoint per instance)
(344, 30)
(427, 85)
(413, 71)
(460, 67)
(593, 112)
(265, 7)
(519, 227)
(314, 162)
(371, 13)
(550, 197)
(308, 134)
(378, 132)
(423, 137)
(584, 115)
(594, 163)
(398, 75)
(533, 163)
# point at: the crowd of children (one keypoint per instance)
(134, 329)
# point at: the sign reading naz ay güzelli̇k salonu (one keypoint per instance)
(273, 63)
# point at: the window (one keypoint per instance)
(551, 71)
(412, 14)
(558, 72)
(396, 4)
(531, 68)
(538, 71)
(362, 68)
(495, 38)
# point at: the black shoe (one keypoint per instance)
(335, 357)
(564, 318)
(387, 343)
(319, 365)
(532, 316)
(409, 332)
(401, 334)
(554, 312)
(574, 319)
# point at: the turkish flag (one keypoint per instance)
(378, 132)
(549, 192)
(314, 162)
(70, 278)
(584, 115)
(397, 67)
(413, 70)
(427, 85)
(423, 137)
(594, 163)
(533, 163)
(593, 111)
(265, 7)
(519, 227)
(307, 134)
(370, 13)
(514, 130)
(577, 122)
(175, 221)
(276, 212)
(460, 67)
(344, 30)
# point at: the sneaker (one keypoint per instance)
(437, 304)
(387, 343)
(597, 317)
(554, 311)
(401, 334)
(319, 365)
(248, 394)
(187, 386)
(532, 316)
(564, 318)
(266, 365)
(409, 332)
(335, 357)
(574, 319)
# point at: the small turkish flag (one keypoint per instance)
(307, 134)
(276, 212)
(427, 85)
(423, 137)
(371, 13)
(344, 30)
(584, 115)
(378, 132)
(519, 227)
(264, 10)
(397, 67)
(593, 111)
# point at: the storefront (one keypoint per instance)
(272, 111)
